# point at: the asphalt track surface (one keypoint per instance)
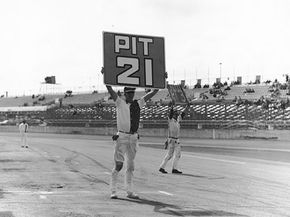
(69, 175)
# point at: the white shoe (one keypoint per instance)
(114, 195)
(132, 195)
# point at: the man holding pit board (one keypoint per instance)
(132, 61)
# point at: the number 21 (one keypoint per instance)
(125, 76)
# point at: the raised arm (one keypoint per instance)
(171, 112)
(185, 110)
(113, 94)
(110, 89)
(150, 94)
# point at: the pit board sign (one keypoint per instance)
(177, 94)
(134, 60)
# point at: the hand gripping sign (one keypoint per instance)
(134, 60)
(177, 94)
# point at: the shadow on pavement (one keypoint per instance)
(170, 209)
(199, 176)
(192, 175)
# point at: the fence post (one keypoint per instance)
(246, 111)
(225, 112)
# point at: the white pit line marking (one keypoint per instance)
(215, 159)
(164, 192)
(45, 192)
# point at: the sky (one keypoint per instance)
(204, 39)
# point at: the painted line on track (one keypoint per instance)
(164, 192)
(49, 192)
(215, 159)
(156, 192)
(224, 147)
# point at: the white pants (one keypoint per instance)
(23, 140)
(173, 148)
(125, 146)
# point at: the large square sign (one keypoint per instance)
(134, 60)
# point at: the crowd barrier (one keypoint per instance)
(267, 134)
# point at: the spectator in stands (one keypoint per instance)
(277, 104)
(204, 97)
(285, 104)
(41, 98)
(237, 83)
(247, 102)
(259, 101)
(239, 101)
(23, 129)
(249, 90)
(174, 147)
(283, 86)
(275, 83)
(220, 98)
(228, 88)
(198, 85)
(68, 93)
(126, 140)
(266, 103)
(235, 99)
(217, 85)
(276, 92)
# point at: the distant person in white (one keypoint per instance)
(23, 129)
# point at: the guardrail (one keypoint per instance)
(186, 124)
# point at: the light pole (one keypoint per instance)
(287, 82)
(221, 72)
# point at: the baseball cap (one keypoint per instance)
(129, 89)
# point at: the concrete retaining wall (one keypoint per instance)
(185, 133)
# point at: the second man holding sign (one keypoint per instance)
(174, 146)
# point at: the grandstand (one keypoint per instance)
(219, 109)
